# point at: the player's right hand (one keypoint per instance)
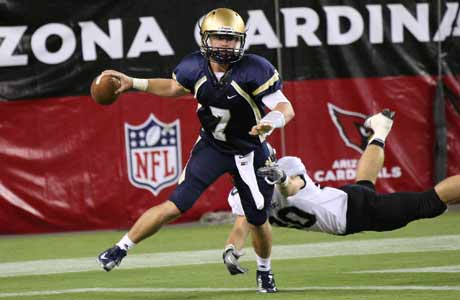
(126, 81)
(262, 129)
(272, 174)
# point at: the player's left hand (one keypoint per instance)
(263, 129)
(272, 174)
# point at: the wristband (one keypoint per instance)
(229, 247)
(140, 84)
(284, 181)
(275, 118)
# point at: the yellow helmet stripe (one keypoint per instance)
(223, 19)
(267, 84)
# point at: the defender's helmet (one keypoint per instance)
(292, 166)
(223, 23)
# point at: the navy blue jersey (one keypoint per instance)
(231, 106)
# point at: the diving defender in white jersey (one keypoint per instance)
(301, 204)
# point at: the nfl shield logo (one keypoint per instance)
(153, 154)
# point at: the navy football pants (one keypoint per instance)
(206, 164)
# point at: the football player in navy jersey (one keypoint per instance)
(301, 204)
(233, 90)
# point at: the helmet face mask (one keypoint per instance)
(222, 55)
(222, 36)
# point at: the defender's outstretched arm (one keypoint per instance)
(372, 159)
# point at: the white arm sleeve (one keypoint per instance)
(271, 100)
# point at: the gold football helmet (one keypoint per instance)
(223, 23)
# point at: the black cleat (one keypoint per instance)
(266, 282)
(111, 258)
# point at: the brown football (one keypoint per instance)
(103, 89)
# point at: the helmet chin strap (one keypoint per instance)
(222, 55)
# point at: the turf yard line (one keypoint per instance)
(204, 290)
(134, 261)
(444, 269)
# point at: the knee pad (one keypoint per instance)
(257, 218)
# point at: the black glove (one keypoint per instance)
(230, 257)
(272, 174)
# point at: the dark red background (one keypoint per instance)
(63, 160)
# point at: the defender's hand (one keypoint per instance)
(126, 81)
(272, 174)
(230, 257)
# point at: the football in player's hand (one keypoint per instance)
(103, 89)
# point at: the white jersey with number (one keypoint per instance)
(312, 208)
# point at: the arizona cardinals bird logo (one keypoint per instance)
(350, 127)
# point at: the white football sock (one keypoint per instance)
(263, 264)
(125, 243)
